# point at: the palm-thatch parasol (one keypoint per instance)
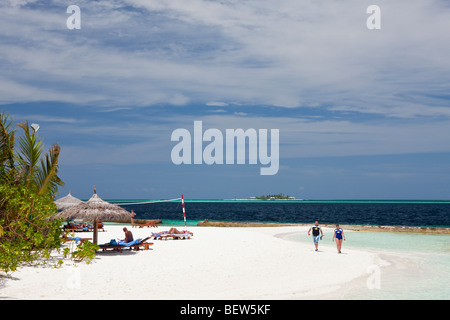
(67, 202)
(93, 209)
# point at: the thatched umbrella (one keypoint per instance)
(67, 202)
(94, 209)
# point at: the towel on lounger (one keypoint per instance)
(128, 244)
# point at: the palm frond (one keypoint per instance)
(21, 163)
(30, 150)
(47, 180)
(6, 143)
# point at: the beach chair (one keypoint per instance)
(137, 244)
(175, 236)
(72, 227)
(160, 235)
(75, 227)
(133, 245)
(142, 243)
(150, 223)
(76, 239)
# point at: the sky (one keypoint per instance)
(362, 113)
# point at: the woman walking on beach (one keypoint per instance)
(339, 236)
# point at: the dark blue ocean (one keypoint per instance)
(393, 213)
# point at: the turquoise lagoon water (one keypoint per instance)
(419, 264)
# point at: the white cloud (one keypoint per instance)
(217, 104)
(54, 119)
(286, 53)
(18, 3)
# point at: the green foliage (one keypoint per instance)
(29, 234)
(25, 164)
(28, 184)
(30, 149)
(66, 252)
(7, 165)
(85, 252)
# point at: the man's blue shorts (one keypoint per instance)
(316, 239)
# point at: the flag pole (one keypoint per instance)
(184, 212)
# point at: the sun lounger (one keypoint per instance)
(72, 227)
(76, 239)
(133, 245)
(175, 236)
(151, 223)
(137, 244)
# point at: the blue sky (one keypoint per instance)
(362, 114)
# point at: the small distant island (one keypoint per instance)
(279, 196)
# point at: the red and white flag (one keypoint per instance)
(184, 212)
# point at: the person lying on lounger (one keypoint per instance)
(176, 231)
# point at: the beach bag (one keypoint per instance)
(113, 242)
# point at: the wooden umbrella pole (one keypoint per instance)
(95, 230)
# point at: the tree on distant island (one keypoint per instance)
(279, 196)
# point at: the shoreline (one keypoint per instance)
(374, 228)
(241, 263)
(249, 224)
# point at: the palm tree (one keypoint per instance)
(6, 145)
(28, 185)
(26, 166)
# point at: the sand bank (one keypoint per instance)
(354, 227)
(217, 263)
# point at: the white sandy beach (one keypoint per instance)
(217, 263)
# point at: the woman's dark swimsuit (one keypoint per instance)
(338, 233)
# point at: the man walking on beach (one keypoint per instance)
(317, 234)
